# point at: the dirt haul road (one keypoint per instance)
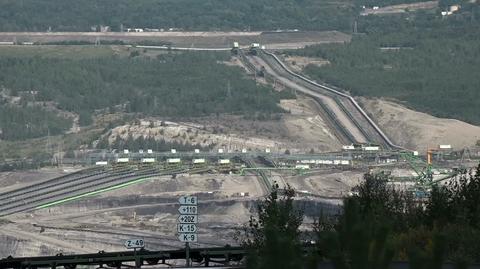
(274, 40)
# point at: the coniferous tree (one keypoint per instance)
(273, 238)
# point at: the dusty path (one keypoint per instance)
(401, 8)
(277, 40)
(34, 236)
(93, 212)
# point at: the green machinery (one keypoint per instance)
(427, 175)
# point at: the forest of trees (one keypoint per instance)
(376, 226)
(429, 62)
(18, 123)
(71, 15)
(171, 85)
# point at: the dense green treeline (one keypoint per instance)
(18, 123)
(430, 63)
(71, 15)
(170, 85)
(376, 225)
(381, 224)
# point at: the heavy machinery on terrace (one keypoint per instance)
(426, 173)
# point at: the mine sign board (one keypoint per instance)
(188, 209)
(188, 219)
(188, 200)
(186, 228)
(192, 237)
(134, 243)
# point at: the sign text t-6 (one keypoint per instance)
(188, 200)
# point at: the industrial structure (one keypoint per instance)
(366, 147)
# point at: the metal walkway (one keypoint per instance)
(205, 257)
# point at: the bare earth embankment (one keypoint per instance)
(401, 8)
(147, 210)
(299, 130)
(406, 127)
(417, 130)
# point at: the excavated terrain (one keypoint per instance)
(149, 210)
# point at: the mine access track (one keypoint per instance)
(347, 113)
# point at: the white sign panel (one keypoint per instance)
(122, 160)
(134, 243)
(186, 228)
(188, 200)
(224, 161)
(174, 160)
(197, 161)
(148, 160)
(188, 219)
(187, 237)
(188, 209)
